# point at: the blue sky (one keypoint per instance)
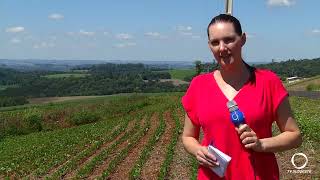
(153, 30)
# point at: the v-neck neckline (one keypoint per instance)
(223, 94)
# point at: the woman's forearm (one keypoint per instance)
(191, 144)
(284, 141)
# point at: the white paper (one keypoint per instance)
(222, 158)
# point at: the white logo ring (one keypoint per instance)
(299, 154)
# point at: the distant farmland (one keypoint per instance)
(181, 73)
(306, 84)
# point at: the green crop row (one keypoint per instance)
(35, 154)
(39, 152)
(52, 116)
(89, 167)
(73, 163)
(146, 152)
(194, 168)
(192, 161)
(170, 149)
(133, 141)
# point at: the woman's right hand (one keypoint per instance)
(205, 158)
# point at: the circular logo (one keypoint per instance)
(235, 116)
(299, 154)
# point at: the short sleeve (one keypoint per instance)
(189, 102)
(278, 92)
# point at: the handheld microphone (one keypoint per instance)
(236, 116)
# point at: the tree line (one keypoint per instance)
(304, 68)
(103, 79)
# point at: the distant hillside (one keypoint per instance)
(102, 79)
(301, 68)
(67, 65)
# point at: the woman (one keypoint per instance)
(259, 94)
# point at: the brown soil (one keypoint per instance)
(175, 82)
(288, 171)
(99, 169)
(123, 169)
(56, 99)
(152, 167)
(180, 167)
(98, 151)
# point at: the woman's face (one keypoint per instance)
(225, 44)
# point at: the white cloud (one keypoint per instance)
(123, 45)
(106, 33)
(186, 33)
(281, 2)
(184, 28)
(15, 29)
(250, 35)
(15, 40)
(70, 33)
(53, 38)
(86, 33)
(44, 45)
(29, 37)
(156, 35)
(124, 36)
(195, 37)
(56, 16)
(316, 31)
(131, 44)
(152, 34)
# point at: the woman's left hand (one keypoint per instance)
(249, 138)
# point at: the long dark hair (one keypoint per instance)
(226, 18)
(237, 27)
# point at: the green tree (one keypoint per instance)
(198, 67)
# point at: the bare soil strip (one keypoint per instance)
(180, 166)
(152, 167)
(57, 99)
(123, 169)
(98, 151)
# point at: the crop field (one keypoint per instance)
(120, 137)
(181, 73)
(44, 100)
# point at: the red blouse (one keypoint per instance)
(258, 99)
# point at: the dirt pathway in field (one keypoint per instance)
(98, 151)
(180, 166)
(152, 167)
(123, 169)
